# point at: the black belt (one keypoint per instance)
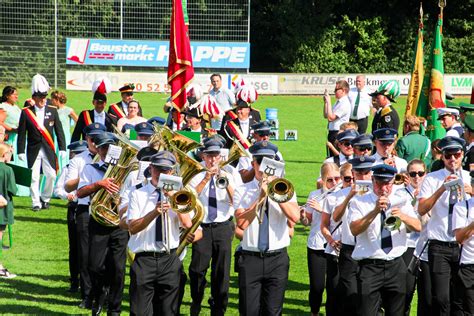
(347, 247)
(449, 244)
(212, 225)
(376, 261)
(264, 254)
(81, 208)
(155, 254)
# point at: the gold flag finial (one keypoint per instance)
(442, 3)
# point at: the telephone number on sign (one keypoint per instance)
(152, 87)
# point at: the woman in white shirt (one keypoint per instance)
(312, 216)
(132, 118)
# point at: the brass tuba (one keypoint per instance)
(104, 207)
(188, 167)
(165, 138)
(183, 202)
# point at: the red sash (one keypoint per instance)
(44, 132)
(238, 134)
(118, 112)
(87, 118)
(232, 115)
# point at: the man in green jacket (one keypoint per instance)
(413, 145)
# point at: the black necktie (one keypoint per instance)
(453, 199)
(385, 235)
(212, 209)
(158, 222)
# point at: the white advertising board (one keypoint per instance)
(456, 84)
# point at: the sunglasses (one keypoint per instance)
(363, 148)
(456, 155)
(346, 144)
(386, 143)
(348, 179)
(413, 174)
(335, 179)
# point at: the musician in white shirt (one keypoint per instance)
(443, 250)
(155, 272)
(378, 249)
(264, 263)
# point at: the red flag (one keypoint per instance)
(180, 64)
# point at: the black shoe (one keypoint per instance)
(36, 208)
(86, 303)
(96, 310)
(44, 205)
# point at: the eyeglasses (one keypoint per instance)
(346, 144)
(348, 179)
(363, 148)
(413, 174)
(456, 155)
(335, 179)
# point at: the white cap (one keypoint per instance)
(447, 111)
(39, 85)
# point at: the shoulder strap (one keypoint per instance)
(386, 110)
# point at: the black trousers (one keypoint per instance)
(215, 247)
(411, 281)
(82, 229)
(381, 281)
(73, 243)
(103, 242)
(443, 259)
(332, 279)
(154, 284)
(262, 283)
(332, 139)
(317, 278)
(465, 283)
(425, 299)
(347, 285)
(183, 278)
(361, 124)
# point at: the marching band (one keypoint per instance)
(379, 226)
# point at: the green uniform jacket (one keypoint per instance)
(414, 146)
(7, 189)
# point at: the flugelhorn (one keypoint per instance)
(235, 152)
(392, 223)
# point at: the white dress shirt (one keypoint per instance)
(462, 217)
(278, 232)
(365, 102)
(346, 235)
(59, 190)
(245, 127)
(225, 209)
(335, 228)
(128, 186)
(400, 163)
(75, 168)
(99, 117)
(438, 224)
(342, 109)
(316, 239)
(89, 175)
(342, 159)
(39, 112)
(368, 243)
(143, 201)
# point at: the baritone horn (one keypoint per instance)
(183, 202)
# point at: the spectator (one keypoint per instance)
(7, 190)
(224, 97)
(361, 104)
(132, 117)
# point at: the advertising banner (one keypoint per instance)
(456, 84)
(105, 52)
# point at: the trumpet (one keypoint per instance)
(222, 182)
(392, 223)
(399, 179)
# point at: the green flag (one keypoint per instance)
(433, 95)
(185, 12)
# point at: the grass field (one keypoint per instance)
(39, 253)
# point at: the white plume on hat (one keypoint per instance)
(237, 83)
(195, 90)
(210, 106)
(102, 85)
(247, 93)
(39, 84)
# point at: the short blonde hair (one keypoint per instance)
(348, 125)
(412, 122)
(4, 148)
(345, 167)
